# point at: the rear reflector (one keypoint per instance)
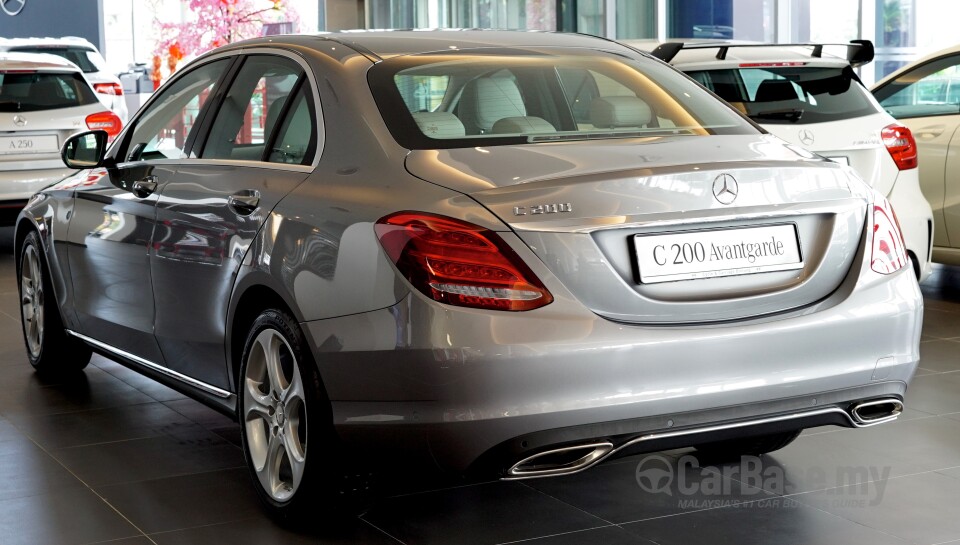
(901, 145)
(108, 88)
(889, 253)
(459, 263)
(105, 121)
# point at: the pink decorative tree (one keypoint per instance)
(218, 22)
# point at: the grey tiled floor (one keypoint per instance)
(120, 459)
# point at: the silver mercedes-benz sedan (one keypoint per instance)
(510, 252)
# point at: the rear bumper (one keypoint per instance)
(468, 386)
(19, 185)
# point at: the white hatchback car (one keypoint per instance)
(85, 55)
(815, 100)
(43, 100)
(925, 96)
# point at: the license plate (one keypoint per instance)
(721, 252)
(46, 143)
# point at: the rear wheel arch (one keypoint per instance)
(915, 264)
(251, 301)
(24, 227)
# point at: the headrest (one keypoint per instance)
(273, 113)
(522, 125)
(439, 124)
(775, 90)
(612, 112)
(486, 100)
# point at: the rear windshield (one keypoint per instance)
(87, 59)
(790, 94)
(501, 97)
(33, 91)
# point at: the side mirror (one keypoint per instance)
(85, 149)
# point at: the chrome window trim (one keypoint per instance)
(196, 161)
(314, 89)
(208, 388)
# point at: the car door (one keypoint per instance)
(926, 101)
(114, 218)
(260, 144)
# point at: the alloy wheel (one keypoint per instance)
(31, 299)
(275, 415)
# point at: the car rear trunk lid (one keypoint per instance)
(587, 209)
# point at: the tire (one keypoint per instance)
(750, 446)
(295, 460)
(51, 352)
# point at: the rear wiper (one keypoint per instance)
(793, 115)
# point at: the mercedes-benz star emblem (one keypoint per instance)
(806, 137)
(12, 7)
(19, 120)
(725, 188)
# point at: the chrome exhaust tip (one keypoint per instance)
(561, 461)
(877, 411)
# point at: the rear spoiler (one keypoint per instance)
(859, 52)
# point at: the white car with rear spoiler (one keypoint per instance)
(43, 100)
(813, 99)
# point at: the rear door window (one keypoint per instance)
(35, 91)
(296, 139)
(790, 94)
(254, 104)
(87, 59)
(930, 89)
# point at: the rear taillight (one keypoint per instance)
(888, 254)
(105, 121)
(901, 145)
(108, 89)
(458, 263)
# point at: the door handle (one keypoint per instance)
(145, 187)
(244, 203)
(932, 131)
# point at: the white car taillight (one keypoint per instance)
(106, 121)
(458, 263)
(889, 253)
(901, 145)
(113, 89)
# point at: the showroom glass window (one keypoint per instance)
(722, 19)
(509, 14)
(254, 104)
(636, 19)
(163, 130)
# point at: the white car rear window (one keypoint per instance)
(790, 94)
(88, 60)
(29, 91)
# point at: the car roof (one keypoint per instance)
(383, 44)
(66, 41)
(911, 65)
(42, 62)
